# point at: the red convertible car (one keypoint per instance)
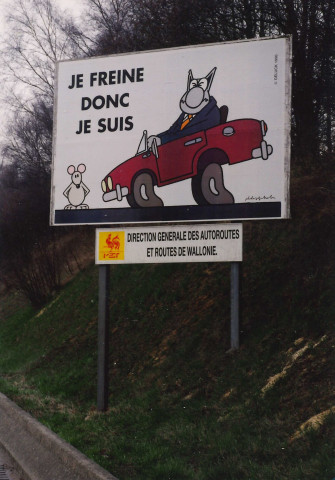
(199, 156)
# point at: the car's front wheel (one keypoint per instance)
(143, 194)
(208, 186)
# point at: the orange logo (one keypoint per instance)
(111, 245)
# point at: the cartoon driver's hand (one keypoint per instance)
(151, 139)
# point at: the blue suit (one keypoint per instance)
(207, 118)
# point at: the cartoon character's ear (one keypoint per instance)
(210, 78)
(190, 78)
(71, 169)
(81, 168)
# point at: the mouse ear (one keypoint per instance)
(81, 168)
(71, 169)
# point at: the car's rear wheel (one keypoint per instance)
(208, 186)
(143, 194)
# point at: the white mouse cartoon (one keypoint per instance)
(77, 191)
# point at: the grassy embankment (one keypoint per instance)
(180, 406)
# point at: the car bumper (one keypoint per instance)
(116, 194)
(264, 151)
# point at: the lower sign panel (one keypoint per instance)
(170, 244)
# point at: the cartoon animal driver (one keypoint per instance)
(162, 159)
(199, 110)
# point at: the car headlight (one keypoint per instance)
(110, 184)
(104, 186)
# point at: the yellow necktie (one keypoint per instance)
(186, 121)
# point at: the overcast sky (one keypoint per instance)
(74, 6)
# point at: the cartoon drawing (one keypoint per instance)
(77, 191)
(196, 146)
(199, 111)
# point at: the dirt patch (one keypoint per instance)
(313, 423)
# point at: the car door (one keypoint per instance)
(175, 160)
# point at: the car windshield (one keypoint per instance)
(142, 148)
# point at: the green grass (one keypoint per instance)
(180, 406)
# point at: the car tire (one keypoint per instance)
(208, 186)
(143, 194)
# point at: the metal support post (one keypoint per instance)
(103, 337)
(234, 302)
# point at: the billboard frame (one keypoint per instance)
(182, 213)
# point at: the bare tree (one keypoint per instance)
(108, 25)
(37, 38)
(31, 254)
(29, 144)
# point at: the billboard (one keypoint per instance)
(169, 244)
(177, 135)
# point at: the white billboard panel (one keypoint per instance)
(169, 244)
(188, 134)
